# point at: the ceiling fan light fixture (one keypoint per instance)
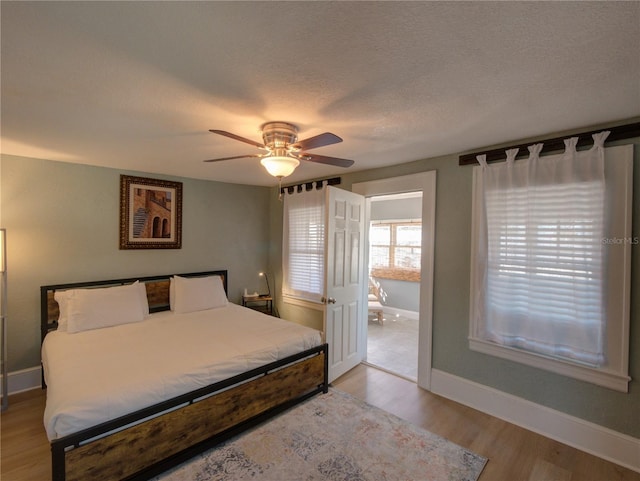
(280, 166)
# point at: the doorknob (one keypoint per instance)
(331, 300)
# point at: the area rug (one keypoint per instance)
(333, 437)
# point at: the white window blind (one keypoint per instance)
(544, 288)
(549, 288)
(304, 245)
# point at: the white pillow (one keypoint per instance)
(144, 301)
(61, 298)
(196, 293)
(172, 294)
(103, 307)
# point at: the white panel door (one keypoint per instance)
(344, 277)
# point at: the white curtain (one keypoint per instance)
(540, 255)
(303, 245)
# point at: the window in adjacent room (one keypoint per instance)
(395, 249)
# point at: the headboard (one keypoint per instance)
(157, 294)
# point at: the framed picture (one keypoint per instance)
(150, 213)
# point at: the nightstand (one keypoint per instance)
(259, 303)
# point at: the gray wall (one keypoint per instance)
(62, 222)
(62, 226)
(451, 353)
(400, 294)
(396, 209)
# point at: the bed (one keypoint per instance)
(144, 373)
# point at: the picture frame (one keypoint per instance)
(150, 213)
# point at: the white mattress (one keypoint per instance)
(95, 376)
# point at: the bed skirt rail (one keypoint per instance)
(147, 442)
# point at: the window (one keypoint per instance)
(303, 245)
(395, 250)
(550, 281)
(544, 271)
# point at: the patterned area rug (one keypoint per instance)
(333, 437)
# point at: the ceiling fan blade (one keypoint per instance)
(234, 157)
(237, 137)
(318, 141)
(321, 159)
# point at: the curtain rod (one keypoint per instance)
(620, 132)
(309, 185)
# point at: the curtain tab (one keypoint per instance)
(482, 160)
(599, 138)
(570, 144)
(511, 155)
(534, 150)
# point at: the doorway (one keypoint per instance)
(395, 244)
(424, 183)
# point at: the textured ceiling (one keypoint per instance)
(137, 85)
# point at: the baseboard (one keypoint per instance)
(592, 438)
(25, 380)
(392, 311)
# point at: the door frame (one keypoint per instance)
(425, 182)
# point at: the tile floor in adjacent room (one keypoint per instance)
(393, 345)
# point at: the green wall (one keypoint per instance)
(62, 222)
(451, 353)
(62, 226)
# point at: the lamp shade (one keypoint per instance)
(280, 166)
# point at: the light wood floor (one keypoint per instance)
(515, 454)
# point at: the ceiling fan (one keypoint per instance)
(283, 150)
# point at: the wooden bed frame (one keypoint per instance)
(149, 441)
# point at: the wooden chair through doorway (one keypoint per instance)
(375, 306)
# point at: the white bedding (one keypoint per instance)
(98, 375)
